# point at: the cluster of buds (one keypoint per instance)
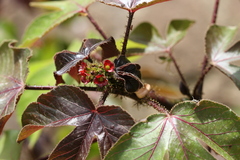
(98, 73)
(102, 74)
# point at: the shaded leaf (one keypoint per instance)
(184, 133)
(66, 105)
(44, 23)
(129, 73)
(147, 34)
(13, 72)
(109, 49)
(218, 39)
(131, 5)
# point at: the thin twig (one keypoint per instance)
(151, 97)
(197, 93)
(180, 73)
(103, 98)
(128, 29)
(95, 24)
(27, 87)
(215, 12)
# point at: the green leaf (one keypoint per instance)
(44, 23)
(7, 30)
(8, 145)
(13, 72)
(144, 33)
(147, 34)
(176, 31)
(185, 133)
(131, 5)
(218, 39)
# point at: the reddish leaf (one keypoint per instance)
(67, 105)
(13, 72)
(131, 5)
(68, 62)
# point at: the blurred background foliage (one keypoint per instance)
(15, 15)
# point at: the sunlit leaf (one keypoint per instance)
(147, 34)
(13, 72)
(217, 43)
(66, 105)
(131, 5)
(44, 23)
(189, 131)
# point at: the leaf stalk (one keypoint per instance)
(179, 73)
(128, 29)
(95, 24)
(197, 93)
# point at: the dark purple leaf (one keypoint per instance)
(129, 73)
(68, 62)
(65, 60)
(66, 105)
(109, 49)
(131, 5)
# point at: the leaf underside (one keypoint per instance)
(131, 5)
(188, 132)
(67, 105)
(13, 72)
(218, 39)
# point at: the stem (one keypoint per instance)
(215, 12)
(103, 98)
(95, 24)
(27, 87)
(157, 106)
(152, 96)
(128, 29)
(180, 73)
(197, 93)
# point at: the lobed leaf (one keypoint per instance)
(67, 105)
(147, 34)
(218, 39)
(131, 5)
(44, 23)
(13, 73)
(190, 131)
